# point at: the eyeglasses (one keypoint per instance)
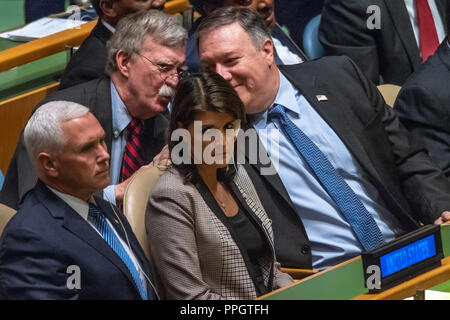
(167, 71)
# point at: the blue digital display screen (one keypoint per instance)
(407, 256)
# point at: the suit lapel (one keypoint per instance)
(337, 115)
(444, 54)
(154, 136)
(261, 164)
(101, 32)
(75, 224)
(285, 40)
(400, 19)
(102, 108)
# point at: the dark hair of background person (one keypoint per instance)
(198, 4)
(206, 91)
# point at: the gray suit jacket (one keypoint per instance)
(195, 255)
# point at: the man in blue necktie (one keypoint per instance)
(63, 242)
(349, 176)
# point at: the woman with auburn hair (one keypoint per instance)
(209, 235)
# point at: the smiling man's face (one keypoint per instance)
(230, 52)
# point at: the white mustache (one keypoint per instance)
(166, 91)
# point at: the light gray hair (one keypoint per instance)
(43, 131)
(249, 20)
(133, 29)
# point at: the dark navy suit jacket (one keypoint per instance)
(423, 105)
(38, 9)
(46, 236)
(89, 62)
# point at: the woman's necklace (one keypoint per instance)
(221, 203)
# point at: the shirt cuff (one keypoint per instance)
(109, 194)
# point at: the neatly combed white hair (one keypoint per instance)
(43, 131)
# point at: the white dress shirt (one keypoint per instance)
(108, 26)
(120, 120)
(285, 55)
(411, 7)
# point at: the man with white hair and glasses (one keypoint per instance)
(145, 61)
(64, 243)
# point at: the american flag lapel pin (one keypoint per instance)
(321, 97)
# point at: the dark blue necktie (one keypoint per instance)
(355, 213)
(100, 223)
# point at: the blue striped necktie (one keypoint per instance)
(361, 221)
(100, 223)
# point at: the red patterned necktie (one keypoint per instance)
(132, 157)
(428, 37)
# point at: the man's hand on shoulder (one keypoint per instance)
(161, 160)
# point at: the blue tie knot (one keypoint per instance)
(94, 213)
(277, 111)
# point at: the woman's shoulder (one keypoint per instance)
(173, 183)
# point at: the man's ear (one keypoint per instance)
(107, 7)
(123, 60)
(47, 164)
(268, 51)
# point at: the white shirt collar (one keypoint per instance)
(108, 26)
(286, 96)
(80, 206)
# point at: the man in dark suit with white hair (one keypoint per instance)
(63, 242)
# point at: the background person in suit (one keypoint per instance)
(56, 232)
(287, 50)
(89, 62)
(348, 169)
(393, 50)
(146, 54)
(296, 15)
(423, 104)
(209, 236)
(36, 9)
